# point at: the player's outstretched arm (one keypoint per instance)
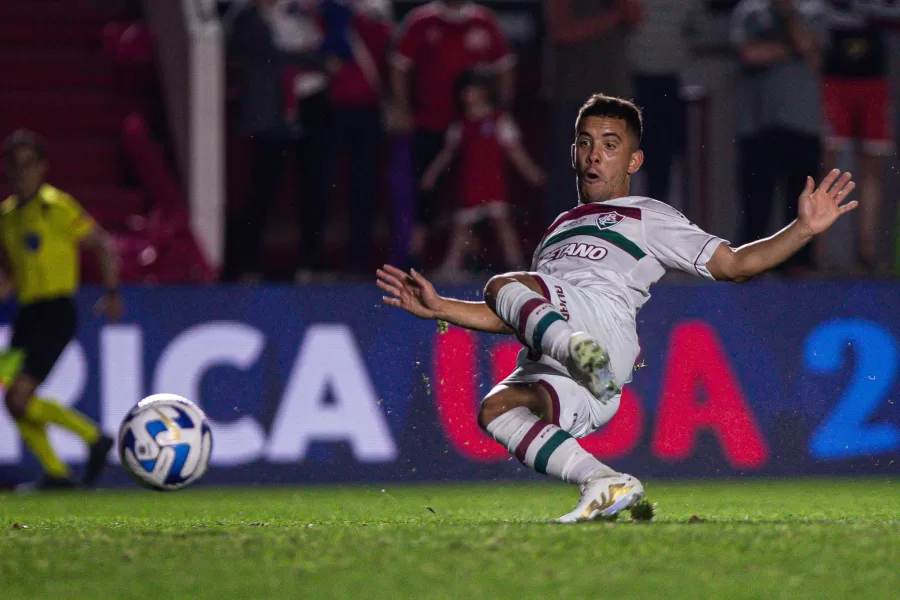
(415, 294)
(818, 209)
(100, 244)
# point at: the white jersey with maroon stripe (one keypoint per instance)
(622, 247)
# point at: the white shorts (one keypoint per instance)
(575, 410)
(607, 320)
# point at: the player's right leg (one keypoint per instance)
(17, 396)
(523, 303)
(525, 418)
(42, 331)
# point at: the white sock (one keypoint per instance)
(537, 323)
(545, 448)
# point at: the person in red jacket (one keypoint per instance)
(482, 140)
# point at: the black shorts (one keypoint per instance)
(43, 330)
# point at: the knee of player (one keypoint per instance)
(487, 412)
(494, 285)
(494, 405)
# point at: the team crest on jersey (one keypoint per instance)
(607, 220)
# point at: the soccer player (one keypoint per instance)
(41, 229)
(575, 311)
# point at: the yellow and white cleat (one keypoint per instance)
(604, 497)
(589, 364)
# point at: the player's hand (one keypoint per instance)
(409, 291)
(818, 208)
(110, 306)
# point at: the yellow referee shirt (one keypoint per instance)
(40, 241)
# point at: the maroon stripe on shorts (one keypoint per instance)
(530, 306)
(522, 448)
(554, 398)
(545, 291)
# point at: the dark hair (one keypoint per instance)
(482, 78)
(601, 105)
(22, 138)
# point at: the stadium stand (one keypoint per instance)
(74, 72)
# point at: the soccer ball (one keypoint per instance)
(165, 442)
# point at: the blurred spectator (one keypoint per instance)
(857, 103)
(658, 56)
(357, 36)
(437, 43)
(260, 62)
(298, 28)
(587, 53)
(483, 138)
(780, 48)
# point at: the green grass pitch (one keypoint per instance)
(827, 538)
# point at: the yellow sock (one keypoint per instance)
(10, 365)
(41, 411)
(35, 437)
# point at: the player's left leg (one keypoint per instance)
(527, 418)
(522, 301)
(32, 415)
(43, 331)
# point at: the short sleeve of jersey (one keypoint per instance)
(677, 243)
(71, 219)
(507, 131)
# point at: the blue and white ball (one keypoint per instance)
(165, 442)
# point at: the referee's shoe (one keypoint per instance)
(97, 459)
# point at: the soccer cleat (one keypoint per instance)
(589, 364)
(604, 497)
(97, 459)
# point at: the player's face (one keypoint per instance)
(26, 172)
(603, 159)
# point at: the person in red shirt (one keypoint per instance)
(482, 139)
(357, 88)
(856, 102)
(437, 43)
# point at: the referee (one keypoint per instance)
(41, 230)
